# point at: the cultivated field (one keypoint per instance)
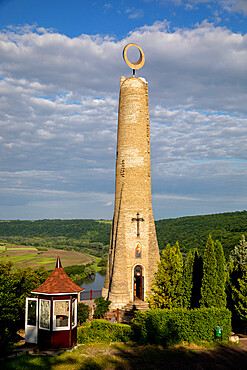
(27, 256)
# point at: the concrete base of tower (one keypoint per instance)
(118, 300)
(105, 293)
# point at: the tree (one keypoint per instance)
(102, 306)
(192, 280)
(82, 313)
(167, 286)
(14, 288)
(220, 275)
(197, 280)
(208, 289)
(240, 298)
(188, 279)
(238, 256)
(8, 307)
(236, 284)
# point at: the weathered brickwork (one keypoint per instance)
(132, 196)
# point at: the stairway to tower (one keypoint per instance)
(127, 313)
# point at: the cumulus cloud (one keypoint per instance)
(227, 5)
(59, 102)
(235, 5)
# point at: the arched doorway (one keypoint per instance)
(138, 283)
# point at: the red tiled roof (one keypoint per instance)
(58, 282)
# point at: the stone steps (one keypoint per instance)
(126, 314)
(136, 306)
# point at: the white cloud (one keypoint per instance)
(228, 5)
(134, 13)
(235, 5)
(58, 119)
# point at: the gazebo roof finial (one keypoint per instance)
(58, 264)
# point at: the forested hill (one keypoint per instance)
(190, 232)
(193, 231)
(90, 230)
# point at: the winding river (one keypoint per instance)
(95, 283)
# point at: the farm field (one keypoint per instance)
(28, 256)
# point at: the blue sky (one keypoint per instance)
(117, 18)
(60, 66)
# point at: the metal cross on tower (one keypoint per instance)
(137, 219)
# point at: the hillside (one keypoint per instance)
(26, 256)
(190, 232)
(88, 230)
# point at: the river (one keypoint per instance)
(95, 283)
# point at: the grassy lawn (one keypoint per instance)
(132, 356)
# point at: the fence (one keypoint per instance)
(90, 295)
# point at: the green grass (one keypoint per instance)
(2, 248)
(95, 264)
(46, 262)
(22, 249)
(131, 356)
(15, 259)
(46, 257)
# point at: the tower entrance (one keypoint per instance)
(138, 284)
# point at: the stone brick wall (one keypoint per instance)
(132, 195)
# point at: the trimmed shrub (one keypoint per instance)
(168, 327)
(103, 331)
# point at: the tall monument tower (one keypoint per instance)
(133, 246)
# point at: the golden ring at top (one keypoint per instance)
(140, 63)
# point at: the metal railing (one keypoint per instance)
(90, 295)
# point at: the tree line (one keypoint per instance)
(85, 230)
(190, 232)
(204, 280)
(15, 286)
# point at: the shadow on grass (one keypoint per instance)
(156, 357)
(121, 356)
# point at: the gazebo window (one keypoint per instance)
(44, 314)
(74, 312)
(61, 315)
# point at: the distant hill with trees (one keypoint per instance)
(88, 230)
(190, 232)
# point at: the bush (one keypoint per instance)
(82, 313)
(103, 331)
(102, 306)
(41, 249)
(168, 327)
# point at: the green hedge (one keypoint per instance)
(166, 327)
(103, 331)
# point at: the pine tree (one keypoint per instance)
(240, 298)
(208, 290)
(197, 280)
(167, 286)
(236, 285)
(188, 279)
(238, 256)
(220, 275)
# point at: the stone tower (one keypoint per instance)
(133, 246)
